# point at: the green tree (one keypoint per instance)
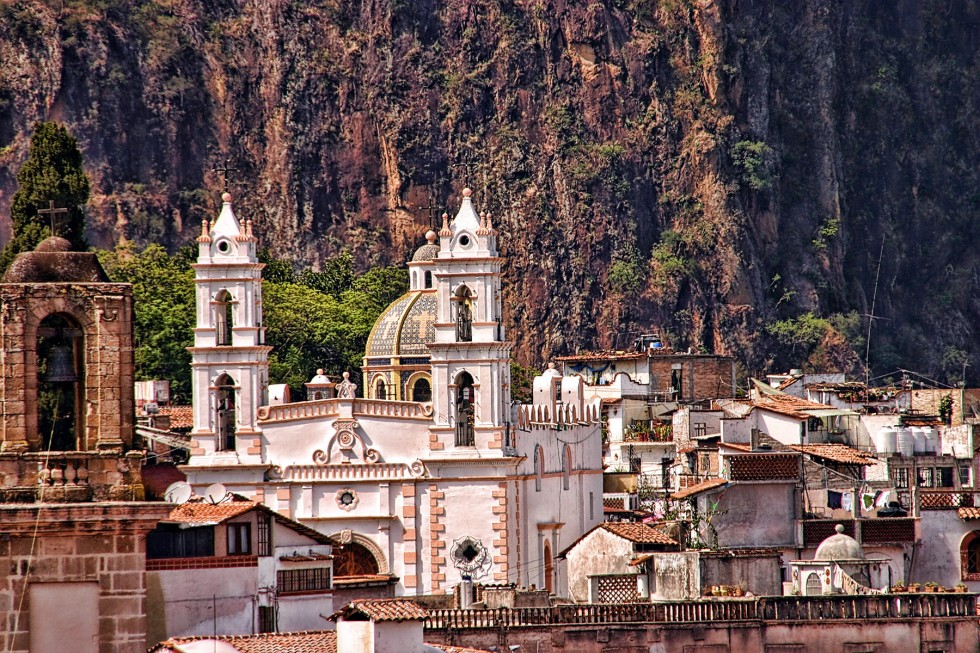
(52, 173)
(164, 312)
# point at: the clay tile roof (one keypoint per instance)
(968, 514)
(788, 405)
(300, 642)
(764, 466)
(204, 512)
(703, 486)
(838, 453)
(181, 417)
(638, 533)
(603, 356)
(387, 610)
(735, 445)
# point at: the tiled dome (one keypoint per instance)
(405, 327)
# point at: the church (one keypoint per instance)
(429, 474)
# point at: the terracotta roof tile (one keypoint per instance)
(204, 512)
(181, 417)
(387, 610)
(638, 533)
(968, 514)
(764, 466)
(735, 445)
(302, 642)
(703, 486)
(838, 453)
(603, 356)
(786, 405)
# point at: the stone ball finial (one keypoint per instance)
(839, 528)
(346, 376)
(319, 371)
(551, 366)
(467, 192)
(431, 236)
(226, 197)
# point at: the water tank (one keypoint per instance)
(886, 440)
(918, 440)
(906, 445)
(930, 437)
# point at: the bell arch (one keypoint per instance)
(223, 318)
(60, 386)
(465, 410)
(464, 314)
(224, 419)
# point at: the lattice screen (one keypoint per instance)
(618, 589)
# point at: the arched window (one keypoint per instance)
(225, 417)
(970, 556)
(549, 569)
(813, 585)
(353, 559)
(428, 278)
(538, 467)
(465, 437)
(380, 389)
(566, 467)
(415, 279)
(223, 319)
(422, 390)
(464, 314)
(60, 387)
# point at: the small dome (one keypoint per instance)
(320, 378)
(839, 547)
(54, 244)
(429, 251)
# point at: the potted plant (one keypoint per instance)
(913, 588)
(932, 587)
(898, 588)
(739, 590)
(960, 588)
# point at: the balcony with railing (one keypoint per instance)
(878, 531)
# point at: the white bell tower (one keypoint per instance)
(229, 360)
(470, 358)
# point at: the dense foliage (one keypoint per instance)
(52, 173)
(312, 319)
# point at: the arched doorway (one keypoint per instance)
(60, 387)
(813, 585)
(549, 569)
(353, 559)
(225, 417)
(465, 436)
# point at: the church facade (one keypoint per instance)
(430, 474)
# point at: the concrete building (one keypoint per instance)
(235, 567)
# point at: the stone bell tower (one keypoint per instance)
(230, 372)
(470, 358)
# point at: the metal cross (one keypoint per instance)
(52, 212)
(466, 164)
(432, 208)
(223, 171)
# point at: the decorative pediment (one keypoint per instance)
(345, 445)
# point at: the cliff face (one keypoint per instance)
(703, 168)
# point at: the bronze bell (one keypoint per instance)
(61, 365)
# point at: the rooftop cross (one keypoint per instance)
(431, 208)
(224, 170)
(466, 164)
(52, 212)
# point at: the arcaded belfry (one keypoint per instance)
(72, 521)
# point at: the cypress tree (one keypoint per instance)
(53, 172)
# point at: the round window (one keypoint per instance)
(224, 246)
(464, 240)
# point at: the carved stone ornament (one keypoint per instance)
(347, 499)
(346, 536)
(346, 440)
(471, 558)
(345, 389)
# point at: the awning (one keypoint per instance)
(827, 412)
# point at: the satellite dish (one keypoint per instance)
(216, 493)
(178, 492)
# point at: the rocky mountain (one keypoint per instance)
(745, 176)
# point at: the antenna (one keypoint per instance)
(178, 492)
(871, 319)
(216, 493)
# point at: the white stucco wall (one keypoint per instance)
(600, 552)
(205, 601)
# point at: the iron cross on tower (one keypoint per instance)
(223, 171)
(52, 213)
(466, 164)
(432, 209)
